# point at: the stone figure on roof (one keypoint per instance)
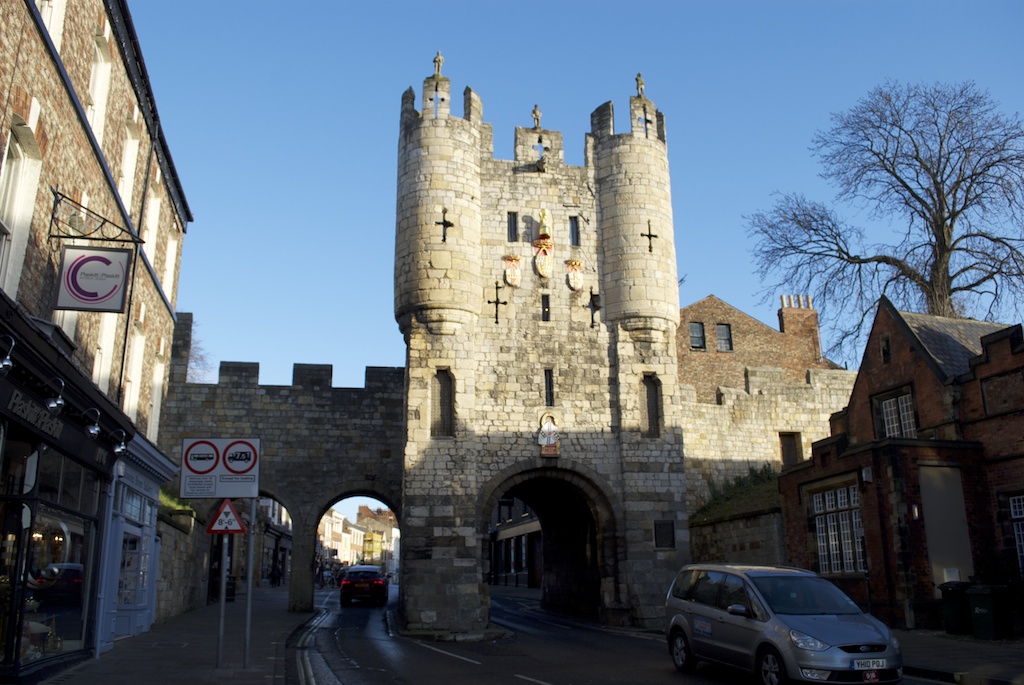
(536, 116)
(438, 62)
(639, 84)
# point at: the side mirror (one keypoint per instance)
(738, 610)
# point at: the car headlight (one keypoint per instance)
(894, 641)
(805, 641)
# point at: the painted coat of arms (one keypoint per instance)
(574, 275)
(513, 271)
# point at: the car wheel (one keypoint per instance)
(679, 648)
(770, 669)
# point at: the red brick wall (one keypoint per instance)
(754, 345)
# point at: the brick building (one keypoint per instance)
(88, 195)
(717, 343)
(922, 480)
(751, 395)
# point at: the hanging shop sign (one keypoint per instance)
(93, 279)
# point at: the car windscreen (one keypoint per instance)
(804, 595)
(363, 575)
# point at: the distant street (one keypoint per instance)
(353, 646)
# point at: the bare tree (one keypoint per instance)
(942, 165)
(198, 361)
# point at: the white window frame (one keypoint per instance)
(897, 413)
(52, 12)
(19, 180)
(99, 86)
(838, 527)
(1017, 517)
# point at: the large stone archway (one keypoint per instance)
(581, 533)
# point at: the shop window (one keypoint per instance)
(17, 465)
(697, 341)
(650, 406)
(839, 530)
(131, 582)
(442, 403)
(894, 414)
(724, 333)
(57, 582)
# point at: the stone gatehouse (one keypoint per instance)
(539, 306)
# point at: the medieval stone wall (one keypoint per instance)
(755, 539)
(724, 441)
(318, 444)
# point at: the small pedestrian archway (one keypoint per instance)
(579, 540)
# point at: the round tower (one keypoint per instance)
(437, 240)
(635, 215)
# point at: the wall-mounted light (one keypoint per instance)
(55, 404)
(915, 512)
(119, 446)
(93, 429)
(6, 364)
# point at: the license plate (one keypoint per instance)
(362, 586)
(868, 664)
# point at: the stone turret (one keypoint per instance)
(635, 214)
(437, 241)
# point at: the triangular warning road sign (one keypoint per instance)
(226, 521)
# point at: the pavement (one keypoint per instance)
(186, 649)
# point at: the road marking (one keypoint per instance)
(533, 680)
(302, 665)
(451, 654)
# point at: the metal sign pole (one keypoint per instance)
(248, 580)
(223, 598)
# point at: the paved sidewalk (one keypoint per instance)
(184, 650)
(962, 659)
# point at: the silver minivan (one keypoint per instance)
(783, 624)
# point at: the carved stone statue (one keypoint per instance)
(639, 84)
(536, 116)
(438, 62)
(548, 434)
(545, 223)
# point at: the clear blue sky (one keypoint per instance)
(282, 119)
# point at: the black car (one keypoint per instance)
(365, 583)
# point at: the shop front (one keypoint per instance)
(60, 439)
(127, 589)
